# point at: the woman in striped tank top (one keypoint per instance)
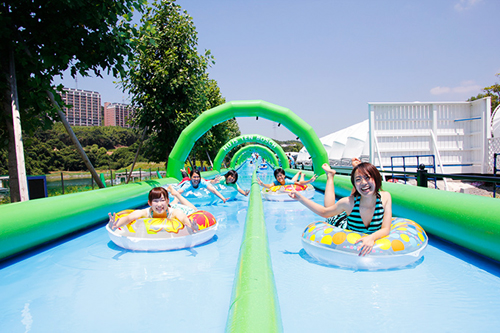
(367, 210)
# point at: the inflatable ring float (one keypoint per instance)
(280, 192)
(203, 197)
(162, 234)
(403, 246)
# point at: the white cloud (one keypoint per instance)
(465, 87)
(465, 4)
(440, 90)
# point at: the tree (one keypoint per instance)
(41, 39)
(492, 91)
(168, 79)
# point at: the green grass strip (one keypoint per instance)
(254, 301)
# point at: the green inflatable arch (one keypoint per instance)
(250, 138)
(246, 151)
(256, 108)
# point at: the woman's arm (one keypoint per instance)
(343, 205)
(245, 193)
(178, 214)
(216, 180)
(137, 214)
(178, 197)
(212, 189)
(265, 185)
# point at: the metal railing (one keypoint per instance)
(421, 175)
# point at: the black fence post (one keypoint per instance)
(421, 176)
(62, 182)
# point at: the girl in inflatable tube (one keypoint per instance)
(196, 183)
(367, 210)
(230, 179)
(158, 201)
(280, 176)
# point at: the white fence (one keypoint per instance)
(456, 133)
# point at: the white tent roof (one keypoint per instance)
(345, 143)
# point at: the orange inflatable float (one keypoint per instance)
(162, 234)
(280, 192)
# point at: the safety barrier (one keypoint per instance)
(27, 224)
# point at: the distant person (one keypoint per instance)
(230, 179)
(196, 183)
(281, 179)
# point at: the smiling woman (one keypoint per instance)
(367, 210)
(196, 183)
(158, 201)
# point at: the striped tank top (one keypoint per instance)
(354, 222)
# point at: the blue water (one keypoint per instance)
(85, 283)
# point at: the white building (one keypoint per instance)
(456, 135)
(85, 107)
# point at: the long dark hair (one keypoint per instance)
(194, 171)
(369, 169)
(232, 173)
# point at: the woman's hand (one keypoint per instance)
(174, 192)
(367, 244)
(112, 221)
(294, 194)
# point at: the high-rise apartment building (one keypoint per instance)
(117, 114)
(86, 107)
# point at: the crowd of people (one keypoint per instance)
(367, 210)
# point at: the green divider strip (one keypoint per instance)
(254, 302)
(467, 220)
(27, 224)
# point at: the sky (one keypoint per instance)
(325, 60)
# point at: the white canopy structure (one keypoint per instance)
(343, 145)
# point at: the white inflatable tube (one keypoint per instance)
(162, 234)
(280, 193)
(403, 246)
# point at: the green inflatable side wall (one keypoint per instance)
(31, 223)
(234, 109)
(250, 138)
(246, 151)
